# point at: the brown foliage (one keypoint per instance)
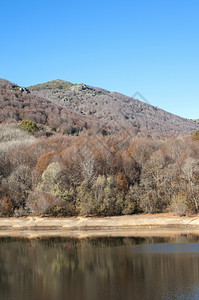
(45, 160)
(121, 181)
(6, 207)
(100, 174)
(25, 106)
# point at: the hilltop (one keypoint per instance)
(72, 108)
(113, 107)
(53, 84)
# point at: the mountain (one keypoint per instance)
(112, 107)
(18, 103)
(92, 152)
(72, 108)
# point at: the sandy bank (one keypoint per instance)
(135, 225)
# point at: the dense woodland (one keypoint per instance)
(99, 175)
(57, 161)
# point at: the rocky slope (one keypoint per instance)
(113, 107)
(77, 107)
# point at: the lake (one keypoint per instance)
(99, 268)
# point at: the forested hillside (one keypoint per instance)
(96, 175)
(17, 103)
(57, 161)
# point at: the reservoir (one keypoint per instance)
(99, 268)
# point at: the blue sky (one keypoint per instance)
(126, 46)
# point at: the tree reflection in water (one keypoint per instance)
(97, 268)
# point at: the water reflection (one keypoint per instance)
(101, 268)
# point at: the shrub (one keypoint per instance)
(179, 204)
(29, 126)
(195, 135)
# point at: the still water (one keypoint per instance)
(99, 268)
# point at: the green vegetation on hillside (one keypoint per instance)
(29, 126)
(53, 84)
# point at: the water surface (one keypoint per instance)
(99, 268)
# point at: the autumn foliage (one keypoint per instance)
(99, 175)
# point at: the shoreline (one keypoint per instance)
(116, 226)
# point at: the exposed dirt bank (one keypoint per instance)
(135, 225)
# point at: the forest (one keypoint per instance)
(68, 174)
